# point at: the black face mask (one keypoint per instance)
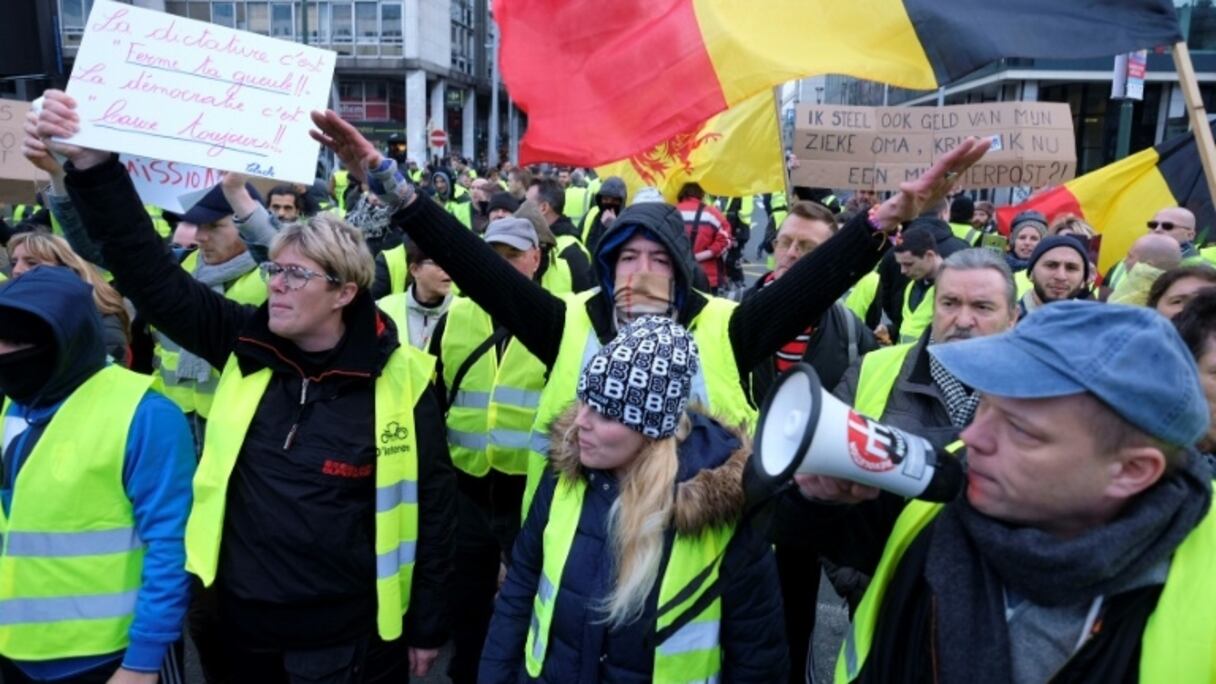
(25, 373)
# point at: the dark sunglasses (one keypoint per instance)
(1164, 225)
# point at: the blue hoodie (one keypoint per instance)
(157, 469)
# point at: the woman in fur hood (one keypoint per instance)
(630, 566)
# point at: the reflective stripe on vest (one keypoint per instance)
(398, 269)
(914, 322)
(966, 232)
(70, 574)
(1177, 642)
(716, 385)
(879, 371)
(693, 652)
(490, 419)
(191, 395)
(397, 389)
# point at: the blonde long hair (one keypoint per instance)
(54, 250)
(637, 525)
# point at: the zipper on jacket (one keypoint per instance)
(291, 434)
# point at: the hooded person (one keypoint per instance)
(95, 493)
(644, 266)
(1022, 246)
(452, 197)
(636, 471)
(606, 207)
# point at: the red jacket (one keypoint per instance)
(712, 233)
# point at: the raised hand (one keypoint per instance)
(933, 185)
(356, 152)
(58, 119)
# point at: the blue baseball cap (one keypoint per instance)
(1130, 358)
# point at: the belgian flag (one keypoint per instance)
(1119, 199)
(602, 80)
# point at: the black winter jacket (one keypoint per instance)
(581, 647)
(297, 564)
(827, 350)
(758, 327)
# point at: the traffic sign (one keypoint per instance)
(438, 139)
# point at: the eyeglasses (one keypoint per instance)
(295, 277)
(1167, 226)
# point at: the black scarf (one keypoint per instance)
(973, 558)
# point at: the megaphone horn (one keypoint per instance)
(804, 429)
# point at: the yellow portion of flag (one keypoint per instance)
(755, 44)
(1118, 199)
(735, 153)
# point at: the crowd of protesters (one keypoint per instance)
(329, 431)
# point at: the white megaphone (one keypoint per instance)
(803, 429)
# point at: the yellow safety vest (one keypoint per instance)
(693, 653)
(398, 388)
(462, 209)
(341, 183)
(915, 322)
(576, 202)
(23, 211)
(162, 226)
(71, 562)
(398, 269)
(191, 396)
(1021, 282)
(781, 208)
(716, 385)
(588, 221)
(861, 297)
(1178, 638)
(879, 371)
(1208, 254)
(558, 278)
(490, 419)
(967, 233)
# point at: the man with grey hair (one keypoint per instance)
(975, 296)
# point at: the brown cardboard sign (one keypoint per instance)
(880, 147)
(13, 165)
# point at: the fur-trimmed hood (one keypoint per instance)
(709, 489)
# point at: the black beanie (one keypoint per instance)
(503, 200)
(962, 209)
(1049, 243)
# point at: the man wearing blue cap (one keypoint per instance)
(1082, 548)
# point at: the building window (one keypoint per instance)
(177, 9)
(224, 14)
(366, 24)
(280, 20)
(259, 18)
(318, 23)
(390, 23)
(73, 13)
(341, 25)
(200, 11)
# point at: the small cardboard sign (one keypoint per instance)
(878, 148)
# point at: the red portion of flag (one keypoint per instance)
(1051, 203)
(633, 73)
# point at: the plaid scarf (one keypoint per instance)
(960, 402)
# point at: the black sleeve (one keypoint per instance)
(779, 312)
(852, 536)
(526, 309)
(427, 623)
(753, 632)
(190, 313)
(382, 284)
(581, 273)
(6, 232)
(891, 284)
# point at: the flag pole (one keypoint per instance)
(785, 169)
(1198, 115)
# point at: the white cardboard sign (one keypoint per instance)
(165, 183)
(161, 86)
